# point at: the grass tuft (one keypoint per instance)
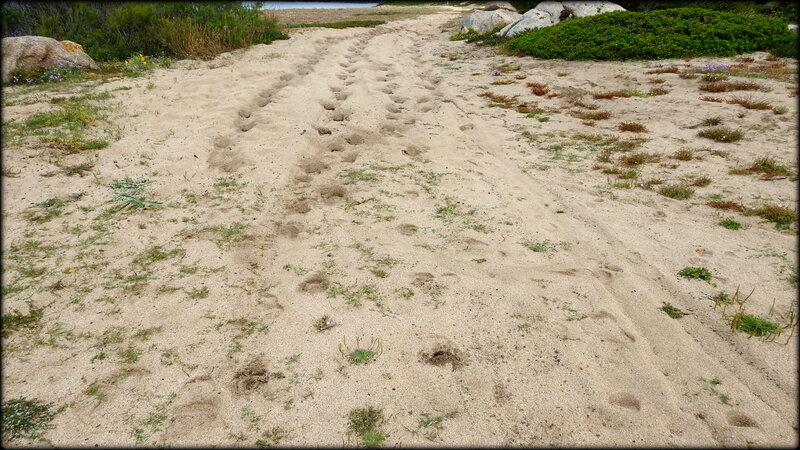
(695, 273)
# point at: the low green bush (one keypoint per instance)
(112, 31)
(661, 34)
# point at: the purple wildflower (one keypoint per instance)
(712, 67)
(496, 73)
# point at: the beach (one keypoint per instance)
(383, 217)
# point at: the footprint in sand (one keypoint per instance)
(301, 206)
(323, 131)
(341, 96)
(328, 106)
(407, 229)
(439, 351)
(332, 192)
(340, 116)
(350, 157)
(354, 139)
(625, 400)
(253, 377)
(414, 150)
(312, 165)
(738, 419)
(291, 230)
(314, 283)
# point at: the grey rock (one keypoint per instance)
(31, 52)
(586, 9)
(485, 21)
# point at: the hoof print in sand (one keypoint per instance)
(290, 229)
(314, 283)
(440, 351)
(426, 283)
(738, 419)
(250, 378)
(301, 207)
(407, 229)
(332, 192)
(312, 166)
(625, 400)
(415, 150)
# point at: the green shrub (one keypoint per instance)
(663, 34)
(112, 31)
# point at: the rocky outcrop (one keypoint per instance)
(31, 52)
(485, 21)
(531, 20)
(491, 6)
(555, 9)
(586, 9)
(550, 13)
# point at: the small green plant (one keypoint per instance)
(740, 320)
(783, 217)
(767, 166)
(700, 273)
(26, 419)
(730, 224)
(325, 322)
(359, 355)
(545, 246)
(198, 293)
(430, 425)
(127, 193)
(365, 423)
(676, 191)
(631, 126)
(672, 311)
(721, 134)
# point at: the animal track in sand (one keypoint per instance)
(223, 141)
(354, 139)
(738, 419)
(425, 108)
(301, 206)
(334, 147)
(387, 90)
(246, 125)
(314, 283)
(342, 76)
(426, 283)
(286, 77)
(328, 106)
(393, 108)
(250, 378)
(290, 229)
(398, 99)
(350, 157)
(303, 178)
(340, 116)
(352, 70)
(407, 229)
(414, 150)
(311, 165)
(332, 192)
(244, 113)
(440, 351)
(625, 400)
(191, 417)
(390, 127)
(341, 96)
(381, 78)
(323, 131)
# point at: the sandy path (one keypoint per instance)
(373, 166)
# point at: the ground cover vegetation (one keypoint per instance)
(112, 31)
(660, 34)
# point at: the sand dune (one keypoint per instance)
(506, 286)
